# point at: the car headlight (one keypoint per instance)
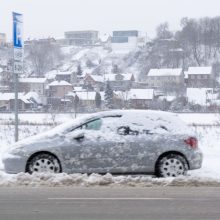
(15, 150)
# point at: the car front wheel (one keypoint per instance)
(171, 165)
(43, 163)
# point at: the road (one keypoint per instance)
(106, 203)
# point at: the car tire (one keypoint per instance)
(43, 163)
(171, 165)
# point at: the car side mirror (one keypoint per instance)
(78, 135)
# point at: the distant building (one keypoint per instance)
(7, 102)
(126, 40)
(199, 77)
(157, 78)
(58, 89)
(117, 81)
(137, 98)
(37, 85)
(2, 39)
(81, 38)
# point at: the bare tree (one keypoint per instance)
(43, 56)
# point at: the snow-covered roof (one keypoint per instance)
(199, 70)
(60, 83)
(200, 95)
(97, 78)
(33, 96)
(165, 72)
(32, 80)
(51, 74)
(63, 73)
(1, 70)
(11, 95)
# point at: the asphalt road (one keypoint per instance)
(105, 203)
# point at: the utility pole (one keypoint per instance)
(17, 61)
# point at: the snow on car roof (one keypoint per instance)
(157, 121)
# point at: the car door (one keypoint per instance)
(92, 145)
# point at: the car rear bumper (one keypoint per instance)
(195, 161)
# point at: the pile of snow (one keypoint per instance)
(60, 180)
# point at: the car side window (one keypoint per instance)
(93, 125)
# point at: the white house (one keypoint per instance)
(199, 76)
(156, 78)
(137, 98)
(37, 85)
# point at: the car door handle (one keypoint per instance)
(79, 138)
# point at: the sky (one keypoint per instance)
(51, 18)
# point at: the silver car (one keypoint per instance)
(119, 141)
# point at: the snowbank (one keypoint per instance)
(60, 180)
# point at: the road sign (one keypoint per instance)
(18, 54)
(18, 67)
(17, 30)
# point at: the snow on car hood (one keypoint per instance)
(51, 134)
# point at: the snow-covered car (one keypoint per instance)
(118, 141)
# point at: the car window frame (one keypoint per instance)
(94, 119)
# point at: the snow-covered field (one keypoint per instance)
(209, 174)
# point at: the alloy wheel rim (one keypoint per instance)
(44, 165)
(172, 167)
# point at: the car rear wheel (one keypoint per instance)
(171, 165)
(43, 163)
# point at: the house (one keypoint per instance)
(158, 78)
(7, 102)
(58, 89)
(117, 81)
(199, 77)
(137, 98)
(64, 76)
(37, 85)
(81, 38)
(56, 92)
(94, 81)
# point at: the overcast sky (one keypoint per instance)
(44, 18)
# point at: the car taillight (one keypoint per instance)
(192, 142)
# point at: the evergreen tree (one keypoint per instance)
(108, 96)
(98, 100)
(79, 70)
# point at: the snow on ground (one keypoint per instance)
(209, 174)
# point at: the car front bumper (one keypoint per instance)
(14, 164)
